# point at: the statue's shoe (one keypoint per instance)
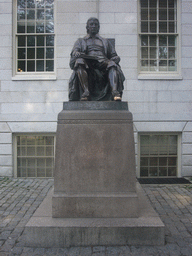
(117, 98)
(85, 96)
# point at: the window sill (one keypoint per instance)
(159, 76)
(34, 77)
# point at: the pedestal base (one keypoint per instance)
(44, 231)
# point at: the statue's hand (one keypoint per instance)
(77, 54)
(116, 59)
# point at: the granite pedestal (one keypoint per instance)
(95, 162)
(95, 199)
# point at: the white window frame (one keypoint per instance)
(176, 75)
(30, 75)
(179, 139)
(15, 150)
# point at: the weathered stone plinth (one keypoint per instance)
(96, 200)
(95, 162)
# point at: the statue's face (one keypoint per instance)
(93, 27)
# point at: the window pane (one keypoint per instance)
(144, 65)
(171, 40)
(40, 14)
(21, 53)
(31, 66)
(40, 151)
(21, 41)
(20, 27)
(21, 3)
(21, 14)
(163, 171)
(49, 65)
(172, 65)
(171, 3)
(153, 52)
(163, 40)
(144, 161)
(144, 40)
(41, 162)
(171, 14)
(41, 4)
(49, 14)
(171, 27)
(153, 14)
(49, 40)
(49, 162)
(144, 26)
(40, 172)
(144, 52)
(21, 66)
(153, 161)
(49, 141)
(153, 65)
(144, 3)
(30, 151)
(31, 163)
(40, 41)
(40, 27)
(171, 53)
(172, 161)
(30, 3)
(144, 172)
(50, 53)
(163, 14)
(163, 52)
(49, 151)
(163, 27)
(152, 3)
(144, 14)
(30, 27)
(162, 3)
(152, 40)
(49, 3)
(31, 53)
(40, 53)
(49, 27)
(49, 172)
(30, 14)
(30, 140)
(31, 41)
(153, 27)
(163, 161)
(40, 65)
(172, 171)
(153, 171)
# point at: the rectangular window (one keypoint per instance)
(35, 156)
(158, 155)
(158, 36)
(34, 36)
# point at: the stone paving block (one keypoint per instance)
(4, 235)
(17, 251)
(98, 249)
(120, 251)
(63, 252)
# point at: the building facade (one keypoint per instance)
(153, 39)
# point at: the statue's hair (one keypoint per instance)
(92, 18)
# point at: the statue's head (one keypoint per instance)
(93, 26)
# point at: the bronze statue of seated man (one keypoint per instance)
(96, 71)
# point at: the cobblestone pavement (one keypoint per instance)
(19, 198)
